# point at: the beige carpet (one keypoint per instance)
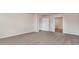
(41, 38)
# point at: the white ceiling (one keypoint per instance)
(44, 14)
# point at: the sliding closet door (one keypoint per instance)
(44, 23)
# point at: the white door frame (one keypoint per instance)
(54, 22)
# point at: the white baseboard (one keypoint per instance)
(68, 33)
(72, 33)
(15, 34)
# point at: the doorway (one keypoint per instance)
(59, 24)
(44, 23)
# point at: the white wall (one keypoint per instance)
(36, 22)
(14, 24)
(70, 23)
(52, 24)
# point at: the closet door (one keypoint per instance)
(44, 24)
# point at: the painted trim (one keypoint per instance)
(16, 34)
(54, 22)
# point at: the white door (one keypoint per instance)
(44, 24)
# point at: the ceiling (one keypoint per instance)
(44, 14)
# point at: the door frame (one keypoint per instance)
(54, 23)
